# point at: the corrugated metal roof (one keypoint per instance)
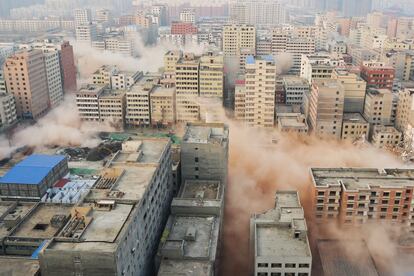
(32, 170)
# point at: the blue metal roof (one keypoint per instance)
(250, 60)
(32, 170)
(268, 58)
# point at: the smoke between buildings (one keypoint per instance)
(258, 168)
(60, 127)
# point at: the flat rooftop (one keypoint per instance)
(385, 129)
(185, 268)
(338, 259)
(18, 266)
(292, 121)
(38, 223)
(206, 133)
(160, 91)
(279, 242)
(208, 189)
(360, 178)
(205, 232)
(295, 81)
(10, 209)
(91, 89)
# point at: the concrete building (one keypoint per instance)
(292, 123)
(82, 16)
(187, 75)
(86, 33)
(211, 76)
(355, 88)
(101, 104)
(26, 79)
(260, 91)
(319, 66)
(115, 44)
(355, 196)
(170, 61)
(117, 227)
(188, 16)
(293, 42)
(261, 13)
(204, 152)
(326, 108)
(67, 66)
(295, 88)
(124, 80)
(385, 137)
(8, 113)
(240, 99)
(354, 127)
(103, 75)
(401, 61)
(378, 75)
(239, 41)
(193, 231)
(378, 107)
(361, 54)
(405, 116)
(279, 240)
(162, 104)
(35, 25)
(138, 111)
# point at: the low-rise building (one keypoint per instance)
(386, 137)
(292, 122)
(354, 127)
(353, 196)
(279, 238)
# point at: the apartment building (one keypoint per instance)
(26, 79)
(404, 116)
(361, 54)
(354, 127)
(354, 196)
(263, 13)
(53, 73)
(295, 88)
(401, 61)
(103, 75)
(115, 44)
(8, 113)
(239, 41)
(187, 74)
(355, 88)
(293, 42)
(82, 16)
(170, 61)
(260, 91)
(279, 239)
(101, 104)
(378, 75)
(240, 99)
(35, 25)
(123, 80)
(385, 137)
(378, 107)
(86, 33)
(211, 76)
(68, 67)
(319, 66)
(162, 104)
(138, 111)
(326, 108)
(205, 152)
(188, 16)
(292, 123)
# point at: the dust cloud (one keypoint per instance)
(258, 168)
(62, 126)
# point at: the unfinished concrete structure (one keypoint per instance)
(278, 239)
(204, 152)
(192, 236)
(355, 196)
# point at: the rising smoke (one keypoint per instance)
(258, 168)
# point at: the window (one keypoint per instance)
(275, 274)
(303, 274)
(276, 265)
(290, 265)
(196, 159)
(262, 274)
(321, 193)
(303, 265)
(262, 265)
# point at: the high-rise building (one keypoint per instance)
(187, 75)
(260, 91)
(162, 104)
(378, 75)
(86, 33)
(204, 152)
(326, 108)
(378, 107)
(259, 13)
(280, 244)
(211, 76)
(82, 17)
(188, 16)
(239, 41)
(8, 114)
(355, 88)
(352, 8)
(319, 66)
(68, 67)
(26, 79)
(356, 196)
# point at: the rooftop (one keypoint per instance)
(19, 266)
(362, 178)
(292, 120)
(91, 89)
(206, 133)
(32, 170)
(252, 60)
(160, 91)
